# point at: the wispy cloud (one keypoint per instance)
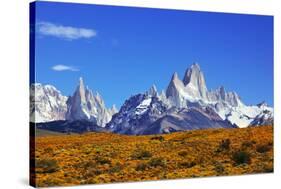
(61, 67)
(65, 32)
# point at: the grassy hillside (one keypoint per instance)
(42, 132)
(106, 157)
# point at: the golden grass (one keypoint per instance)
(105, 157)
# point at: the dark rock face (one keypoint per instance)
(70, 127)
(188, 119)
(262, 120)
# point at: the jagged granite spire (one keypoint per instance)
(76, 104)
(191, 74)
(175, 90)
(83, 105)
(195, 81)
(113, 109)
(174, 82)
(152, 91)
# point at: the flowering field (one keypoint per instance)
(63, 160)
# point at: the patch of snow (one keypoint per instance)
(143, 106)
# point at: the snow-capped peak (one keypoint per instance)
(191, 74)
(46, 103)
(114, 109)
(192, 91)
(152, 91)
(83, 105)
(175, 77)
(50, 87)
(262, 104)
(194, 81)
(192, 88)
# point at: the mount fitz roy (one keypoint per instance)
(186, 104)
(192, 91)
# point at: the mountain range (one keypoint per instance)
(47, 104)
(186, 104)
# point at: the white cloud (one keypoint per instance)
(65, 32)
(61, 67)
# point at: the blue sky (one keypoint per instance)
(121, 51)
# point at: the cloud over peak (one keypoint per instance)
(61, 67)
(65, 32)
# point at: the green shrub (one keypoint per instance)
(219, 168)
(141, 154)
(141, 167)
(187, 164)
(49, 150)
(116, 168)
(241, 157)
(263, 148)
(182, 153)
(155, 162)
(247, 144)
(85, 165)
(91, 172)
(225, 144)
(160, 138)
(47, 165)
(102, 160)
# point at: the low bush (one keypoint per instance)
(102, 160)
(187, 164)
(49, 150)
(91, 172)
(141, 154)
(85, 165)
(160, 138)
(219, 168)
(247, 144)
(263, 148)
(182, 153)
(141, 167)
(116, 168)
(224, 145)
(241, 157)
(47, 166)
(155, 162)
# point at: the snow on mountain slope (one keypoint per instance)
(186, 105)
(150, 113)
(84, 105)
(245, 115)
(46, 103)
(137, 113)
(192, 91)
(143, 106)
